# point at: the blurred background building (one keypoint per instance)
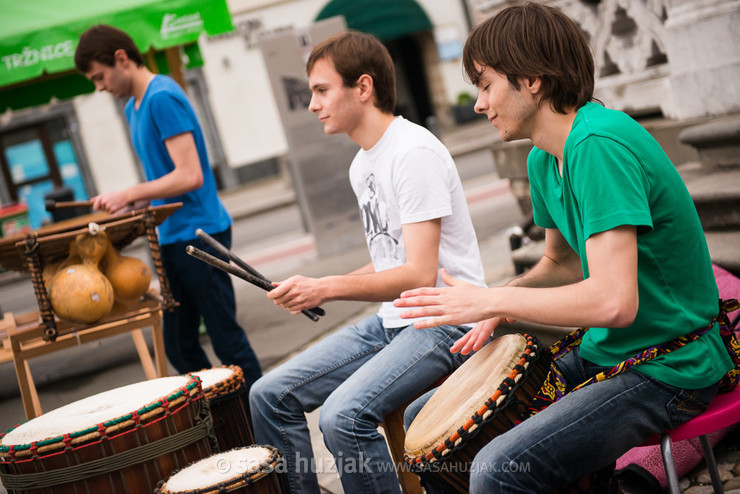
(672, 64)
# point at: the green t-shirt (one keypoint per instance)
(614, 174)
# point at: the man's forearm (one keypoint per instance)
(547, 273)
(371, 286)
(366, 269)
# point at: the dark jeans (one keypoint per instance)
(204, 291)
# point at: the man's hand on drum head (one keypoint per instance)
(478, 336)
(461, 303)
(297, 293)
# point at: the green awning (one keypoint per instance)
(386, 19)
(38, 38)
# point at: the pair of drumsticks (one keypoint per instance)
(241, 270)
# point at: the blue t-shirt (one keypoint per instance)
(165, 112)
(614, 174)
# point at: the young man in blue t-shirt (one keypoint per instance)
(625, 255)
(166, 135)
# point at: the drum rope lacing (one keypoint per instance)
(226, 394)
(94, 429)
(202, 428)
(232, 384)
(33, 263)
(504, 393)
(168, 302)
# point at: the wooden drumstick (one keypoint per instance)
(223, 250)
(51, 204)
(227, 252)
(239, 273)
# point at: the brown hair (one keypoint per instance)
(354, 54)
(533, 40)
(100, 43)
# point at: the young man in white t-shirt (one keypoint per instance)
(416, 221)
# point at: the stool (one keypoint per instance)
(395, 436)
(723, 411)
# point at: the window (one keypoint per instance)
(37, 159)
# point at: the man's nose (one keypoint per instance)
(313, 105)
(480, 106)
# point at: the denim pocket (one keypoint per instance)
(391, 333)
(688, 403)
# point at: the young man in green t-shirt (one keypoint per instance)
(625, 255)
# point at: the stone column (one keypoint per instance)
(703, 48)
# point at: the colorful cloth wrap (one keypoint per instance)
(555, 385)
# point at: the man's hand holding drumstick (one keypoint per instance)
(298, 293)
(244, 271)
(117, 202)
(460, 303)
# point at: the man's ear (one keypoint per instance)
(533, 84)
(366, 86)
(121, 56)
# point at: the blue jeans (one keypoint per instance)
(358, 375)
(583, 432)
(203, 291)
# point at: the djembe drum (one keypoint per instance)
(252, 470)
(488, 395)
(120, 441)
(226, 393)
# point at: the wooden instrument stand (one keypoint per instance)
(41, 332)
(25, 340)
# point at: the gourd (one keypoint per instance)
(52, 268)
(80, 292)
(130, 277)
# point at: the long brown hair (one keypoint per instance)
(353, 54)
(532, 40)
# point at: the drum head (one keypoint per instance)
(219, 469)
(463, 393)
(97, 409)
(211, 377)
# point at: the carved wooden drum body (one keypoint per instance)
(485, 397)
(226, 393)
(120, 441)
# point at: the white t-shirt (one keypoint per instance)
(409, 177)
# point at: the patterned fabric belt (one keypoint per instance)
(556, 386)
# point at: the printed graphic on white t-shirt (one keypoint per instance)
(381, 241)
(410, 177)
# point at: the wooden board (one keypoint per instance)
(54, 239)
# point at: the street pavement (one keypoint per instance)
(276, 335)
